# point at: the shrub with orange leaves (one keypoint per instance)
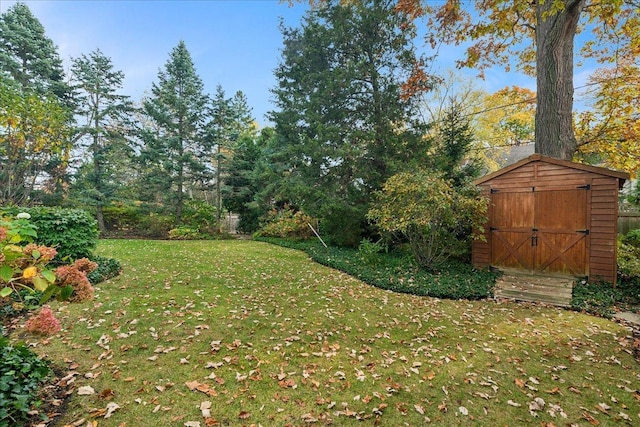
(44, 323)
(75, 276)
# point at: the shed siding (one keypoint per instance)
(602, 206)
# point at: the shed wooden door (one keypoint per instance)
(541, 229)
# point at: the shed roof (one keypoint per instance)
(622, 176)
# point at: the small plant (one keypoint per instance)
(287, 223)
(21, 373)
(43, 323)
(594, 298)
(185, 233)
(107, 268)
(74, 276)
(369, 250)
(23, 267)
(26, 267)
(632, 238)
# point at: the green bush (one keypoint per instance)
(436, 218)
(398, 272)
(632, 238)
(137, 220)
(370, 251)
(200, 215)
(73, 232)
(287, 224)
(21, 373)
(107, 269)
(185, 233)
(628, 260)
(155, 226)
(122, 218)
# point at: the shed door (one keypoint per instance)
(540, 229)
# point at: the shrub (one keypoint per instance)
(628, 261)
(73, 232)
(23, 267)
(155, 226)
(21, 373)
(200, 215)
(287, 224)
(632, 238)
(369, 250)
(121, 218)
(436, 218)
(185, 233)
(107, 268)
(74, 276)
(43, 323)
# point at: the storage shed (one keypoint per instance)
(551, 217)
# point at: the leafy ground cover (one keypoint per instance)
(398, 272)
(245, 333)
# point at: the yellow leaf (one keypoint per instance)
(30, 272)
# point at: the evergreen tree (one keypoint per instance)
(230, 122)
(104, 128)
(243, 181)
(175, 149)
(451, 148)
(28, 56)
(345, 114)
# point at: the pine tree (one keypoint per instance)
(104, 129)
(175, 146)
(28, 56)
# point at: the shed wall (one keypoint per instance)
(602, 211)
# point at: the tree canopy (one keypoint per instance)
(538, 40)
(175, 144)
(346, 107)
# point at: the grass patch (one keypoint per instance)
(241, 332)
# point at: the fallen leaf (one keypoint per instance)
(111, 408)
(86, 390)
(205, 407)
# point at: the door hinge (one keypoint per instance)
(493, 228)
(493, 190)
(585, 232)
(584, 187)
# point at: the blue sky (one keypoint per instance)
(234, 43)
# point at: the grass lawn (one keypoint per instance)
(226, 333)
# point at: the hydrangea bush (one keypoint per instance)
(24, 265)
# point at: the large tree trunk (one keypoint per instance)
(554, 67)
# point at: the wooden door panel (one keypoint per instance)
(512, 216)
(562, 210)
(512, 249)
(562, 253)
(561, 223)
(540, 229)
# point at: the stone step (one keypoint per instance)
(550, 290)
